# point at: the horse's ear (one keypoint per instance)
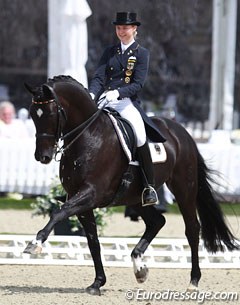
(47, 91)
(29, 88)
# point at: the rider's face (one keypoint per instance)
(125, 33)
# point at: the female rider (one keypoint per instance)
(119, 77)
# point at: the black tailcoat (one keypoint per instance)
(126, 73)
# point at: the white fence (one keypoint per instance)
(73, 250)
(225, 159)
(20, 172)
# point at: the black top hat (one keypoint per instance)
(126, 18)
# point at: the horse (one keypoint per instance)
(92, 167)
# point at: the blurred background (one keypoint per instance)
(179, 35)
(194, 69)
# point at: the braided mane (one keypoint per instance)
(68, 79)
(63, 78)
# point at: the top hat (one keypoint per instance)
(126, 18)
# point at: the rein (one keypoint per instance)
(82, 126)
(61, 113)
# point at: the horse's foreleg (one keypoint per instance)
(75, 205)
(87, 219)
(35, 246)
(154, 221)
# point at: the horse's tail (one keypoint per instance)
(214, 229)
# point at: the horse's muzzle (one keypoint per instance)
(43, 158)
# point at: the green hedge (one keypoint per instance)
(24, 204)
(10, 203)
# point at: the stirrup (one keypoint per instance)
(144, 203)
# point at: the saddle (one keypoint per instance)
(128, 140)
(125, 132)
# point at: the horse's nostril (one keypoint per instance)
(45, 159)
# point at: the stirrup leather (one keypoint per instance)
(155, 194)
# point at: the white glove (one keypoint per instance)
(92, 96)
(112, 95)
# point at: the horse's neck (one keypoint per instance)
(80, 108)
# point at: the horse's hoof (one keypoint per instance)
(192, 288)
(93, 291)
(33, 249)
(142, 274)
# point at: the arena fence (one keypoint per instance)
(73, 250)
(21, 173)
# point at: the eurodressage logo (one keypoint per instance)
(167, 295)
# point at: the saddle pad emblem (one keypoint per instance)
(158, 152)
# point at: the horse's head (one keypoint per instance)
(49, 118)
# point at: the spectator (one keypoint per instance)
(10, 127)
(23, 115)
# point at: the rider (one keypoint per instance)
(120, 76)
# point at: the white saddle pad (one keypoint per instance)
(158, 153)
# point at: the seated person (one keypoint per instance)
(10, 127)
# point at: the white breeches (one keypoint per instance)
(127, 110)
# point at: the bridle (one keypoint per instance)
(61, 120)
(61, 117)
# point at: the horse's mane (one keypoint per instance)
(68, 79)
(63, 78)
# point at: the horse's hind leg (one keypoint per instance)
(87, 219)
(154, 221)
(192, 233)
(186, 199)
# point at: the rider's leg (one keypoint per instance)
(149, 195)
(129, 112)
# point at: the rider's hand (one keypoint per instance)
(92, 95)
(112, 95)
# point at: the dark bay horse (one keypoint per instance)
(92, 166)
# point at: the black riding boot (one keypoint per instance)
(149, 195)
